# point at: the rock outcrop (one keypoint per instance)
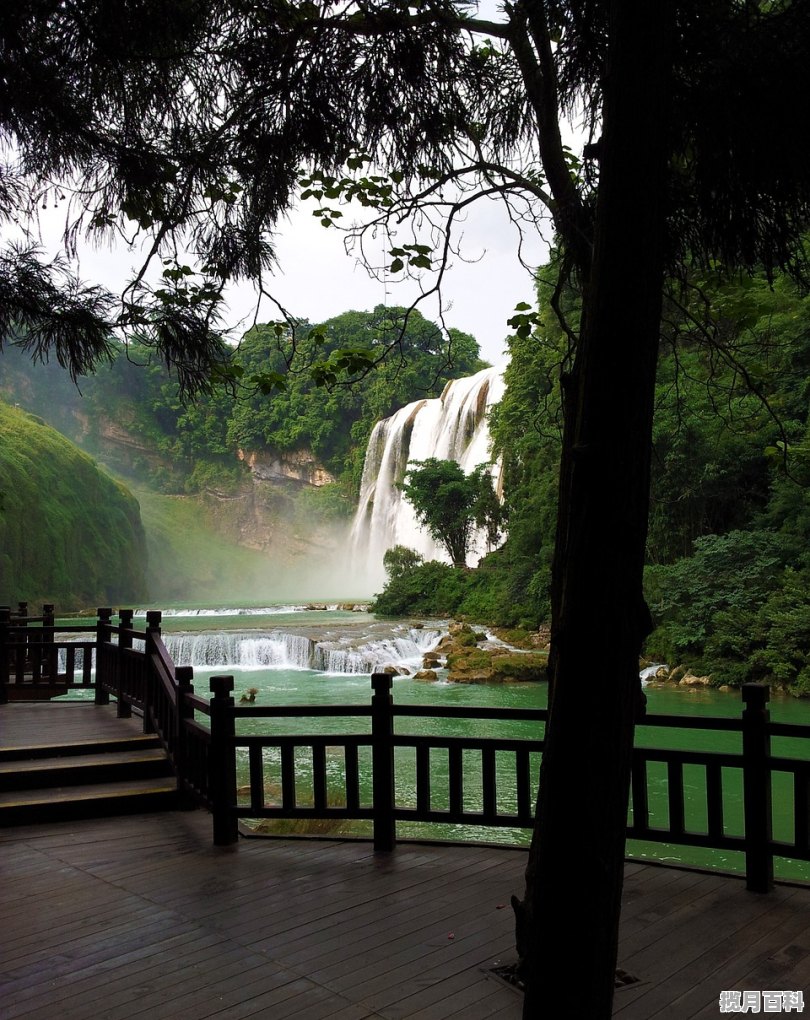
(285, 466)
(472, 658)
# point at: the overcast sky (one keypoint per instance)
(316, 279)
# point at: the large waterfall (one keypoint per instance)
(450, 427)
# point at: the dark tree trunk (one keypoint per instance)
(568, 921)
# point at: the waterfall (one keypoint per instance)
(241, 650)
(281, 650)
(451, 427)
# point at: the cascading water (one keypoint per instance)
(241, 650)
(281, 650)
(451, 427)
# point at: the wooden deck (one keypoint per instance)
(143, 917)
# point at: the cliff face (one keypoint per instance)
(266, 516)
(260, 513)
(285, 466)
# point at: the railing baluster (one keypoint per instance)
(675, 797)
(256, 777)
(640, 795)
(801, 809)
(288, 775)
(352, 777)
(714, 799)
(422, 778)
(488, 783)
(319, 776)
(456, 781)
(523, 787)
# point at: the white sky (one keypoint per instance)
(316, 279)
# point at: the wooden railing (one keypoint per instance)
(33, 659)
(272, 765)
(115, 661)
(380, 775)
(136, 669)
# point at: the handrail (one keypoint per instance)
(384, 744)
(401, 766)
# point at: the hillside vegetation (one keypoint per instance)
(222, 520)
(129, 413)
(69, 534)
(728, 548)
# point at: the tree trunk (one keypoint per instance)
(568, 921)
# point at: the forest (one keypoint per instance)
(727, 576)
(728, 559)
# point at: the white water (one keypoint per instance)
(280, 650)
(451, 427)
(277, 610)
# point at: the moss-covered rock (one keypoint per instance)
(472, 660)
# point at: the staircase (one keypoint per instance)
(84, 779)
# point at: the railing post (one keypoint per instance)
(23, 652)
(49, 655)
(5, 621)
(153, 621)
(124, 710)
(757, 788)
(104, 616)
(222, 762)
(382, 759)
(184, 676)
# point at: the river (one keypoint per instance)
(293, 655)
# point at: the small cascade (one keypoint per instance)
(402, 651)
(280, 650)
(275, 650)
(226, 611)
(451, 427)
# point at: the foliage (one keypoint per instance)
(335, 422)
(730, 505)
(449, 504)
(69, 534)
(188, 446)
(427, 589)
(400, 560)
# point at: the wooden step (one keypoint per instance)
(74, 769)
(106, 745)
(25, 807)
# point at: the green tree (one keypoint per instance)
(190, 123)
(335, 421)
(400, 560)
(450, 504)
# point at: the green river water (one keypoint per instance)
(283, 685)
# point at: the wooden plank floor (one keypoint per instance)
(142, 917)
(52, 722)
